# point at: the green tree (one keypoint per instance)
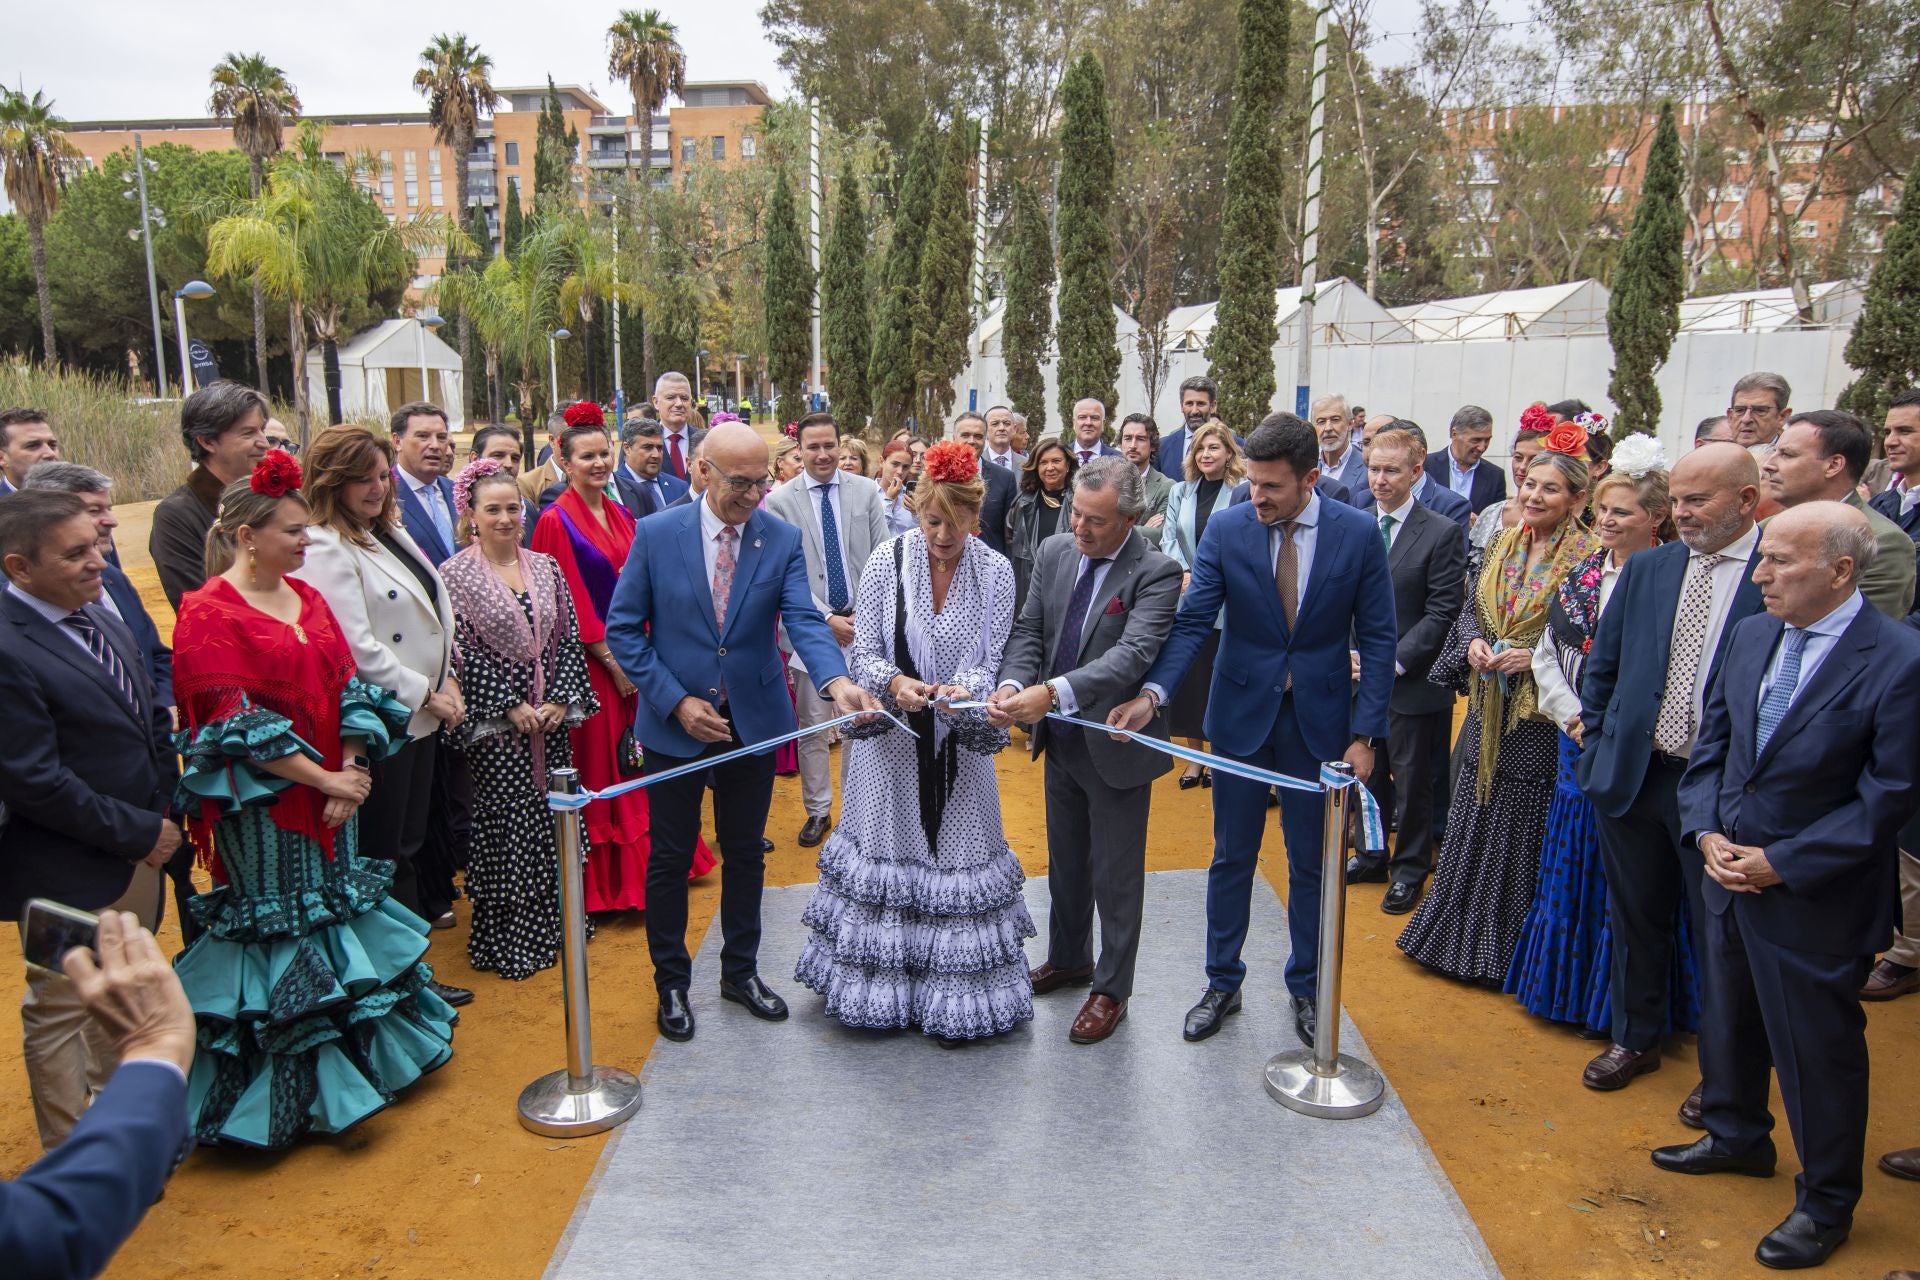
(1240, 349)
(890, 373)
(35, 157)
(555, 142)
(847, 335)
(255, 95)
(1025, 329)
(1089, 355)
(1643, 314)
(513, 221)
(942, 306)
(592, 277)
(1885, 346)
(643, 49)
(789, 298)
(17, 330)
(457, 80)
(513, 304)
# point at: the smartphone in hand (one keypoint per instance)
(51, 929)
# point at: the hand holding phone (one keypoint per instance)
(51, 929)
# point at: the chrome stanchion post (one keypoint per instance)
(583, 1098)
(1322, 1081)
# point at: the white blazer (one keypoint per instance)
(400, 638)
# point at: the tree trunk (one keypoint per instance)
(36, 232)
(330, 363)
(297, 350)
(586, 349)
(257, 172)
(494, 410)
(646, 354)
(465, 336)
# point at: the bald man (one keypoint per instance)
(1089, 431)
(1662, 638)
(1807, 765)
(692, 624)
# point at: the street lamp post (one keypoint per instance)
(191, 289)
(148, 218)
(553, 364)
(420, 342)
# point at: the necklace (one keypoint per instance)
(1049, 499)
(503, 564)
(947, 565)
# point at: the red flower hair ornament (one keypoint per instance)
(1569, 438)
(584, 413)
(951, 462)
(275, 475)
(1537, 417)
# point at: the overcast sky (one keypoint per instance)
(115, 60)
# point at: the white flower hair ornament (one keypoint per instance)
(1637, 455)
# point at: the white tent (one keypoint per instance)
(1559, 310)
(1342, 312)
(380, 370)
(983, 383)
(1837, 302)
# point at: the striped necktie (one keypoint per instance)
(1773, 707)
(96, 642)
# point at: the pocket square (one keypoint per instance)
(1114, 606)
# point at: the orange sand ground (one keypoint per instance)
(446, 1183)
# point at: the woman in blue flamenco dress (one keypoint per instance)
(1562, 969)
(308, 985)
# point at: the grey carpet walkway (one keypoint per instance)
(804, 1149)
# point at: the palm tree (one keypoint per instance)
(514, 303)
(643, 49)
(593, 277)
(35, 157)
(255, 95)
(457, 80)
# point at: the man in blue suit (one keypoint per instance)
(63, 1218)
(1806, 768)
(645, 485)
(422, 448)
(1661, 641)
(1198, 396)
(693, 625)
(1087, 439)
(1300, 578)
(1462, 465)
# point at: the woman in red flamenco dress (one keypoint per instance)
(590, 537)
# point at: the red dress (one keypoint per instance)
(591, 553)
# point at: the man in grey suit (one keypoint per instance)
(841, 520)
(1427, 559)
(1000, 451)
(1100, 606)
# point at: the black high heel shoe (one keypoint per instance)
(1188, 781)
(1206, 777)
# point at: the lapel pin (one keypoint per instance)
(756, 544)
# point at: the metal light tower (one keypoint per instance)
(553, 364)
(148, 218)
(191, 289)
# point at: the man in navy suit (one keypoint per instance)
(1299, 577)
(645, 485)
(1462, 465)
(1088, 436)
(422, 447)
(1340, 458)
(1806, 768)
(87, 773)
(68, 1212)
(1434, 497)
(693, 625)
(1661, 640)
(1197, 399)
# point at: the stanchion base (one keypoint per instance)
(550, 1109)
(1358, 1090)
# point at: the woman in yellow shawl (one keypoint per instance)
(1470, 921)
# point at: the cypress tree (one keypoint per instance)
(890, 368)
(554, 145)
(1240, 349)
(1644, 312)
(1028, 319)
(1089, 353)
(1885, 346)
(513, 224)
(847, 333)
(942, 311)
(789, 298)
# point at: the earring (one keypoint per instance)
(253, 578)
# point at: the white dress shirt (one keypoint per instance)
(685, 436)
(1461, 481)
(1727, 577)
(832, 486)
(1009, 460)
(1908, 497)
(1063, 691)
(1558, 700)
(1821, 637)
(1339, 464)
(1399, 515)
(52, 613)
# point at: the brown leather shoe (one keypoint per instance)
(1098, 1017)
(1690, 1114)
(1902, 1164)
(815, 830)
(1617, 1067)
(1890, 981)
(1050, 977)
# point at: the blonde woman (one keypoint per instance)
(1213, 466)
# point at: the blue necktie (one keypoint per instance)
(437, 508)
(103, 654)
(830, 540)
(1073, 627)
(1773, 707)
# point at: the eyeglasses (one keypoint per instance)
(285, 446)
(1750, 411)
(743, 484)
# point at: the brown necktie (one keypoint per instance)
(1286, 573)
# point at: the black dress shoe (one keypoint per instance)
(1366, 870)
(455, 996)
(1206, 778)
(1401, 897)
(1800, 1242)
(1708, 1156)
(1214, 1008)
(757, 996)
(815, 830)
(1303, 1018)
(766, 845)
(1188, 781)
(676, 1016)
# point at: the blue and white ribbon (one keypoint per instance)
(560, 801)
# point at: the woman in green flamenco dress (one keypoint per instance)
(308, 984)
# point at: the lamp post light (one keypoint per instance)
(553, 364)
(420, 341)
(191, 289)
(149, 219)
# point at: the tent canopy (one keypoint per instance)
(1561, 310)
(380, 370)
(1836, 302)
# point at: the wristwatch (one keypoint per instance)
(359, 762)
(1371, 744)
